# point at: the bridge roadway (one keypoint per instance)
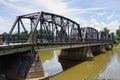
(12, 48)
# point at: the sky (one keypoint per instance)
(88, 13)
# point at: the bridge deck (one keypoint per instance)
(21, 47)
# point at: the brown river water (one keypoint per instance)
(105, 66)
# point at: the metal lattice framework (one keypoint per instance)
(105, 37)
(48, 27)
(89, 34)
(43, 27)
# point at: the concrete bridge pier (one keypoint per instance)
(98, 49)
(109, 46)
(82, 53)
(36, 71)
(102, 49)
(23, 66)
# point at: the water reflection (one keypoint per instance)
(112, 70)
(52, 66)
(104, 66)
(69, 64)
(46, 55)
(84, 70)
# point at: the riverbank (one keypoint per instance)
(116, 46)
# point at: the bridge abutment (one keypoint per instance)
(36, 70)
(102, 49)
(109, 47)
(23, 66)
(83, 53)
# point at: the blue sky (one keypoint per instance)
(92, 13)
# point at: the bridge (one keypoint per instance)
(39, 31)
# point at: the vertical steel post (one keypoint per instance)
(18, 32)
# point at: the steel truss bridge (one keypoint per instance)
(46, 29)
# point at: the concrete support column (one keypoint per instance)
(95, 50)
(83, 53)
(36, 71)
(109, 46)
(102, 48)
(87, 52)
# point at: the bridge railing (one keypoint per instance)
(52, 39)
(14, 38)
(23, 38)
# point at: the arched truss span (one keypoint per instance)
(89, 34)
(43, 27)
(105, 36)
(48, 27)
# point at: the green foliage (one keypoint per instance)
(24, 35)
(117, 37)
(118, 32)
(45, 33)
(4, 33)
(4, 36)
(116, 41)
(106, 30)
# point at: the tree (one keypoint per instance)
(24, 35)
(117, 37)
(106, 30)
(118, 32)
(5, 33)
(4, 36)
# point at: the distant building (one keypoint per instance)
(119, 26)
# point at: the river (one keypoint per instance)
(105, 66)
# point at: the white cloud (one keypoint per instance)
(92, 9)
(95, 24)
(98, 14)
(109, 17)
(101, 14)
(92, 16)
(1, 1)
(86, 9)
(13, 0)
(2, 20)
(113, 25)
(20, 9)
(88, 23)
(55, 6)
(81, 21)
(3, 25)
(99, 25)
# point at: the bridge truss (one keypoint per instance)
(43, 27)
